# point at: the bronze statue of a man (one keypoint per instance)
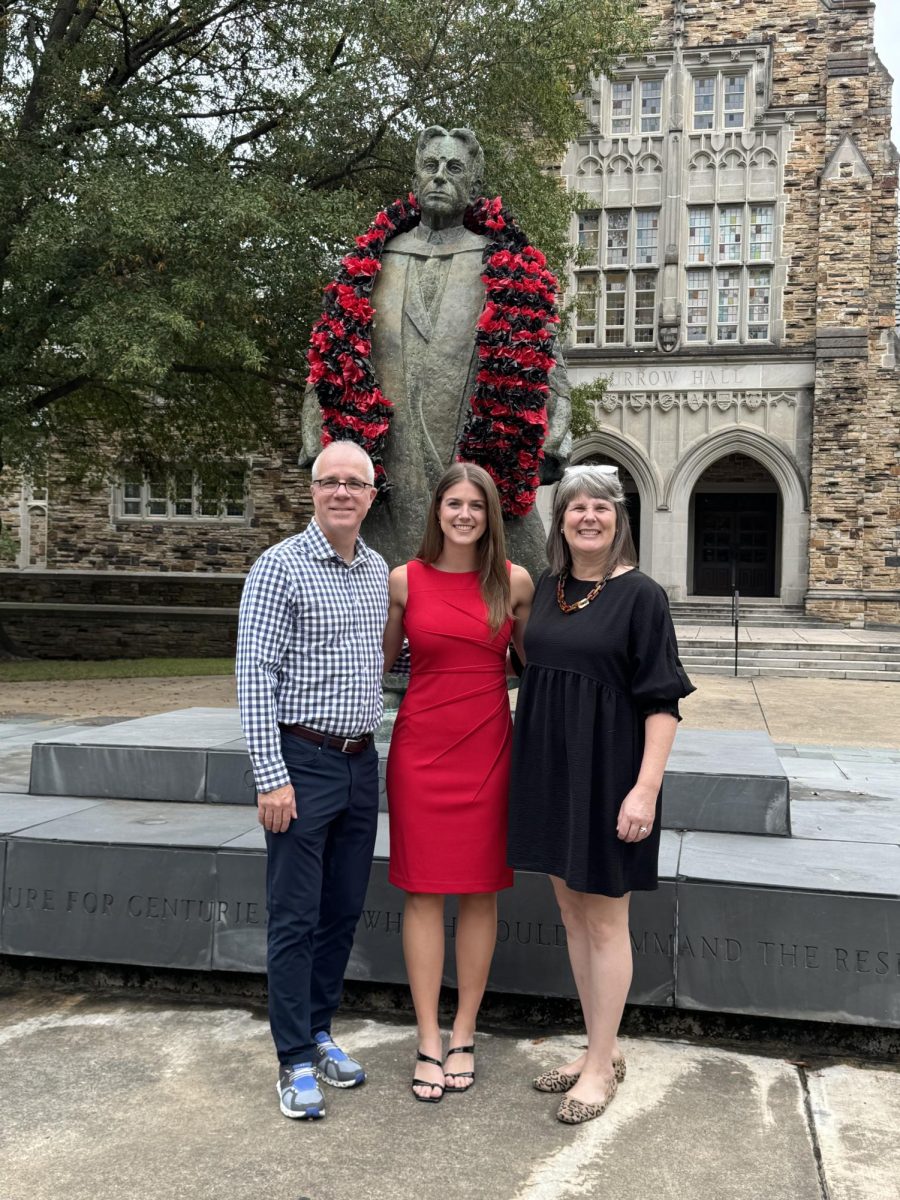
(428, 297)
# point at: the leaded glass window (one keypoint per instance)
(644, 307)
(731, 220)
(647, 247)
(762, 232)
(704, 101)
(616, 283)
(699, 235)
(651, 105)
(617, 223)
(759, 304)
(621, 107)
(728, 302)
(733, 106)
(697, 306)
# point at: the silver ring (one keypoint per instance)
(642, 829)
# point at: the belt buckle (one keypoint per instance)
(347, 742)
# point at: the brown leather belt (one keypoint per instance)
(345, 745)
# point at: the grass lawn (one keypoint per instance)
(51, 670)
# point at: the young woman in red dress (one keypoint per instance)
(459, 603)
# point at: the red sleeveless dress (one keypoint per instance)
(448, 766)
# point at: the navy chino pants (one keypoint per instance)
(316, 880)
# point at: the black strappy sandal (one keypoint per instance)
(470, 1075)
(435, 1062)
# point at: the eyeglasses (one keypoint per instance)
(355, 487)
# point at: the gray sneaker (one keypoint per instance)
(334, 1067)
(298, 1092)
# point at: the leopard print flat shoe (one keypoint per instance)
(575, 1112)
(556, 1080)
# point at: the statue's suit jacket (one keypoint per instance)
(425, 362)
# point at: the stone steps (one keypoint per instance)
(790, 669)
(716, 780)
(792, 656)
(701, 648)
(694, 612)
(769, 620)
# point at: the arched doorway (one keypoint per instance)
(629, 486)
(735, 529)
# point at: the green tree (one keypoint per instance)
(585, 398)
(177, 180)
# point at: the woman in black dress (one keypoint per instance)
(595, 721)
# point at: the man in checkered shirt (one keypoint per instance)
(309, 668)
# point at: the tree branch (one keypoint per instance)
(37, 403)
(251, 135)
(266, 376)
(364, 152)
(33, 108)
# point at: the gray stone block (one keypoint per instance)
(719, 781)
(727, 782)
(785, 953)
(135, 823)
(377, 954)
(162, 757)
(179, 729)
(120, 772)
(19, 812)
(229, 777)
(253, 840)
(239, 933)
(531, 955)
(841, 819)
(821, 866)
(382, 748)
(152, 906)
(669, 853)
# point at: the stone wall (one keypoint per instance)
(111, 588)
(855, 493)
(72, 634)
(119, 614)
(821, 106)
(86, 535)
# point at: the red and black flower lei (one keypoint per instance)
(507, 421)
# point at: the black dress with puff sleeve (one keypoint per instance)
(590, 680)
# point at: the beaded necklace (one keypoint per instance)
(585, 601)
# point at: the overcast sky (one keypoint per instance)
(887, 45)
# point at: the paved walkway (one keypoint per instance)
(833, 635)
(112, 1099)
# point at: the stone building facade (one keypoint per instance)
(735, 285)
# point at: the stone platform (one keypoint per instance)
(718, 781)
(804, 927)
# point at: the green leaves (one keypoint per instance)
(177, 184)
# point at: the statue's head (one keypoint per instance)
(449, 173)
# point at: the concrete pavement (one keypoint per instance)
(112, 1098)
(841, 712)
(108, 1097)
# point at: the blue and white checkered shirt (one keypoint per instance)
(309, 646)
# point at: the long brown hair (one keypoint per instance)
(492, 573)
